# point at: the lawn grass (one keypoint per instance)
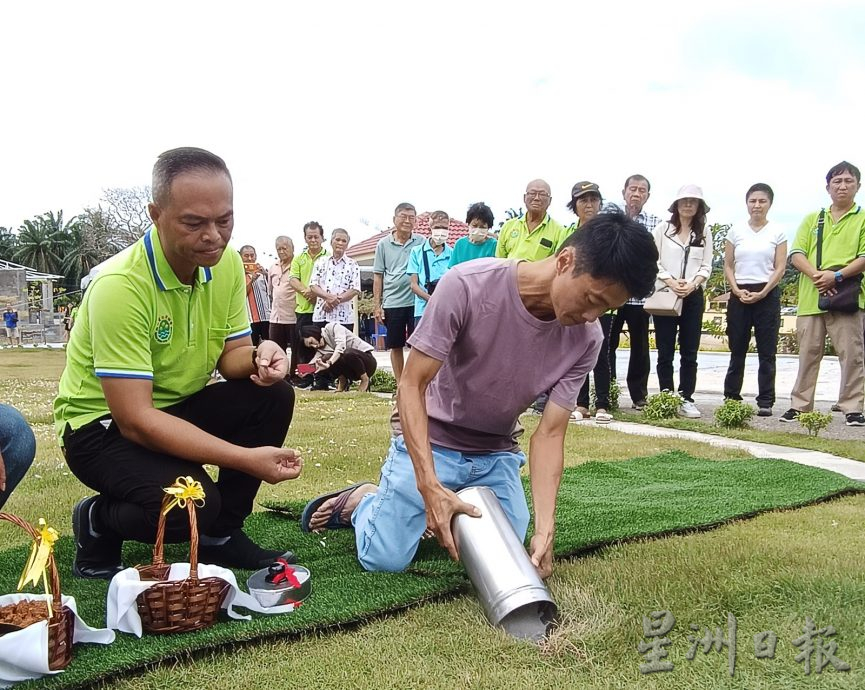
(770, 571)
(855, 450)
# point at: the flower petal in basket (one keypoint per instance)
(127, 585)
(24, 653)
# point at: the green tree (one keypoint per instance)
(8, 243)
(43, 242)
(717, 283)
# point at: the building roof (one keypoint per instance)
(31, 274)
(456, 229)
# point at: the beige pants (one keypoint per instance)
(845, 333)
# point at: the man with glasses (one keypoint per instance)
(635, 194)
(534, 235)
(391, 290)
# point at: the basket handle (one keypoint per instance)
(57, 603)
(158, 545)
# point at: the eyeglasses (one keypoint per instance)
(405, 216)
(537, 195)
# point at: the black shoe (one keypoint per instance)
(835, 408)
(855, 419)
(764, 411)
(241, 552)
(790, 415)
(639, 405)
(96, 558)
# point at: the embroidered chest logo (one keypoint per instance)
(164, 328)
(515, 233)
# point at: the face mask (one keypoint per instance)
(477, 233)
(439, 236)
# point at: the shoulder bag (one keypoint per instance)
(846, 297)
(429, 285)
(663, 301)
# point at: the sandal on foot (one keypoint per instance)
(603, 417)
(335, 520)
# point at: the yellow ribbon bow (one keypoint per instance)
(37, 563)
(183, 490)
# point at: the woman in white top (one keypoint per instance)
(684, 264)
(755, 256)
(341, 354)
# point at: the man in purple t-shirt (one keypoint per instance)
(495, 334)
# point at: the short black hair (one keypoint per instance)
(310, 331)
(611, 246)
(481, 212)
(637, 176)
(761, 187)
(175, 162)
(843, 167)
(572, 204)
(313, 224)
(404, 206)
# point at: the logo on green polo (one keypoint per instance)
(164, 326)
(515, 233)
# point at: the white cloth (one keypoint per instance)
(24, 654)
(127, 585)
(754, 252)
(335, 277)
(671, 253)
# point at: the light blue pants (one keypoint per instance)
(389, 524)
(17, 446)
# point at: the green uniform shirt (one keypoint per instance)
(465, 250)
(843, 242)
(516, 242)
(137, 320)
(301, 268)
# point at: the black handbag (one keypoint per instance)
(429, 285)
(846, 297)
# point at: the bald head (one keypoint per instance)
(537, 198)
(538, 185)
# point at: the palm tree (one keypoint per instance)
(8, 243)
(43, 242)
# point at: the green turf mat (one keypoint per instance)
(599, 503)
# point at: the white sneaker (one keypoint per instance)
(689, 410)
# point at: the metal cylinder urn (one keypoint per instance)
(508, 586)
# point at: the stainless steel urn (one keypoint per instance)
(509, 588)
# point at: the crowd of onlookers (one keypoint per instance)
(305, 302)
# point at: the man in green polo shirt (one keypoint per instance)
(301, 272)
(134, 411)
(842, 258)
(535, 235)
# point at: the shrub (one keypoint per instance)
(814, 422)
(382, 382)
(663, 405)
(614, 396)
(734, 414)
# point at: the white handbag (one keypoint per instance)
(663, 301)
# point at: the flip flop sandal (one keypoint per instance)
(335, 520)
(603, 417)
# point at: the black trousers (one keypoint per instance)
(764, 318)
(688, 327)
(637, 321)
(353, 364)
(601, 371)
(130, 477)
(260, 331)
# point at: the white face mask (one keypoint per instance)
(477, 234)
(439, 236)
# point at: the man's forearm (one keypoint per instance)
(376, 289)
(297, 285)
(237, 363)
(165, 433)
(415, 428)
(800, 263)
(546, 460)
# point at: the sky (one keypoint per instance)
(338, 111)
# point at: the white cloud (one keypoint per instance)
(338, 111)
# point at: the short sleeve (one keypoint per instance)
(295, 268)
(413, 265)
(355, 276)
(238, 315)
(121, 324)
(378, 263)
(502, 246)
(443, 318)
(318, 269)
(802, 242)
(565, 392)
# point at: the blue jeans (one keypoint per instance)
(389, 524)
(17, 446)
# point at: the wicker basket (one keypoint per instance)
(172, 606)
(61, 622)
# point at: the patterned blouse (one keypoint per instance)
(335, 277)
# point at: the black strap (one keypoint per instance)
(427, 277)
(821, 219)
(685, 260)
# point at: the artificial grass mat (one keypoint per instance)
(599, 503)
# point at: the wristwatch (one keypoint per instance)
(838, 276)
